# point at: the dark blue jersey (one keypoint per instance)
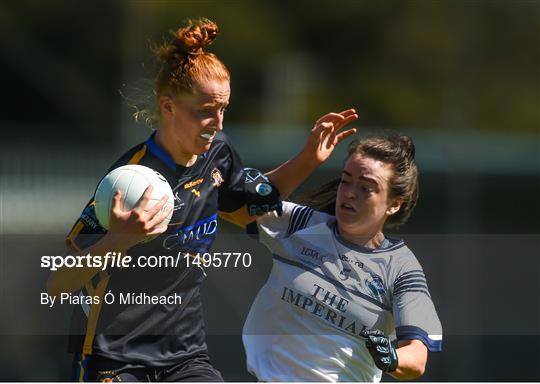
(159, 334)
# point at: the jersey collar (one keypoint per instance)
(159, 152)
(389, 243)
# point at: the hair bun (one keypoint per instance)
(407, 147)
(196, 36)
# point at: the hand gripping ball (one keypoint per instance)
(132, 181)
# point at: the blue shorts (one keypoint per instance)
(101, 369)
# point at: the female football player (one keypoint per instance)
(166, 342)
(340, 290)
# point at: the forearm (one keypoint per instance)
(288, 176)
(70, 279)
(412, 359)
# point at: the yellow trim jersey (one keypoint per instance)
(159, 334)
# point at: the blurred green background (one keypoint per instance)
(461, 77)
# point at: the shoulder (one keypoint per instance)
(407, 272)
(132, 156)
(147, 154)
(404, 258)
(295, 218)
(302, 217)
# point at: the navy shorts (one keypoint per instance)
(101, 369)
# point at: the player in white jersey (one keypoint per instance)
(340, 291)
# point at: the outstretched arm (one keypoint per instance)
(322, 141)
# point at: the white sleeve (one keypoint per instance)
(271, 228)
(414, 313)
(294, 218)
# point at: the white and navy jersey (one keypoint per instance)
(160, 334)
(323, 291)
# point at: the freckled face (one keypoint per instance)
(362, 203)
(199, 116)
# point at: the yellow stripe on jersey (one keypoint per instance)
(90, 289)
(99, 290)
(70, 240)
(230, 218)
(81, 368)
(240, 217)
(138, 155)
(93, 315)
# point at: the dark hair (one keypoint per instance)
(183, 63)
(396, 150)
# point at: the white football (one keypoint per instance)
(132, 180)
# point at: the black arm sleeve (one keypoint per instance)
(245, 186)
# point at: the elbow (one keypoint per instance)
(417, 372)
(414, 372)
(410, 373)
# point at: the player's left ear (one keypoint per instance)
(395, 205)
(166, 105)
